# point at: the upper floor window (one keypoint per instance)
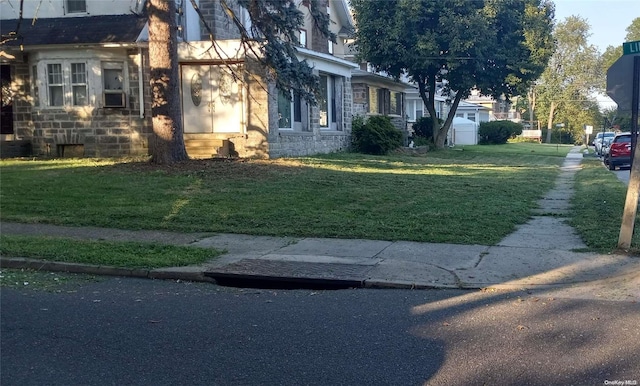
(330, 47)
(76, 6)
(303, 38)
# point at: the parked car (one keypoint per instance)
(605, 147)
(619, 151)
(601, 139)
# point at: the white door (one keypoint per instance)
(211, 100)
(197, 99)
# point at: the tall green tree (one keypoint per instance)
(633, 30)
(613, 53)
(496, 46)
(572, 75)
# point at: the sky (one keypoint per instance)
(608, 18)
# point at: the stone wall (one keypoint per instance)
(221, 25)
(317, 140)
(101, 132)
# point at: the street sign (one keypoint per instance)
(588, 129)
(631, 48)
(619, 83)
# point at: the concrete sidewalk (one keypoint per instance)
(540, 254)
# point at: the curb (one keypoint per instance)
(177, 274)
(91, 269)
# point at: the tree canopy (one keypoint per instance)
(496, 46)
(566, 88)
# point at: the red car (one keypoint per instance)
(619, 151)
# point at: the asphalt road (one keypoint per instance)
(143, 332)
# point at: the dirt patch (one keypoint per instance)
(219, 167)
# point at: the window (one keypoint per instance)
(373, 100)
(330, 47)
(303, 38)
(395, 107)
(471, 116)
(79, 84)
(180, 18)
(113, 78)
(323, 101)
(327, 103)
(55, 84)
(76, 6)
(291, 112)
(459, 115)
(284, 111)
(297, 108)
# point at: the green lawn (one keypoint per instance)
(105, 253)
(474, 195)
(598, 205)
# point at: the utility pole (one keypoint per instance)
(631, 202)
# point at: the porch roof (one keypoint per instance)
(75, 30)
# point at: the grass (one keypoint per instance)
(598, 205)
(105, 253)
(474, 196)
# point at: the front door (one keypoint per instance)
(211, 100)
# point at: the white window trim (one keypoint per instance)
(304, 118)
(331, 126)
(95, 81)
(79, 84)
(303, 38)
(66, 9)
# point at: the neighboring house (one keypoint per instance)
(76, 77)
(375, 94)
(79, 82)
(415, 108)
(498, 109)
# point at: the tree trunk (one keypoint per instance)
(167, 144)
(531, 98)
(552, 112)
(444, 130)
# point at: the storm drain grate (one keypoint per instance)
(289, 274)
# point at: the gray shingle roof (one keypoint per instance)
(76, 30)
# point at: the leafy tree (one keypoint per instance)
(498, 47)
(610, 55)
(633, 30)
(572, 75)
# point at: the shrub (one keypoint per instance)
(423, 128)
(498, 132)
(375, 136)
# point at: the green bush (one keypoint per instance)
(498, 132)
(423, 128)
(375, 136)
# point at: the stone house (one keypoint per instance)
(75, 82)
